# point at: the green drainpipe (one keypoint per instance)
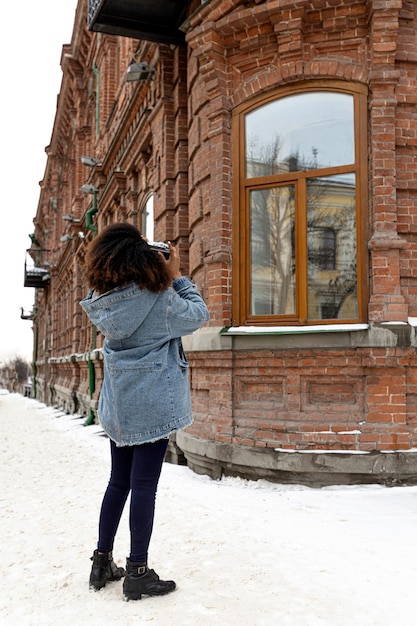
(89, 215)
(96, 71)
(92, 379)
(91, 372)
(35, 352)
(91, 226)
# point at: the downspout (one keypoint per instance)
(91, 379)
(91, 226)
(91, 371)
(35, 350)
(96, 71)
(88, 216)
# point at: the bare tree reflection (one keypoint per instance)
(331, 239)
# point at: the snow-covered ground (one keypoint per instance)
(242, 553)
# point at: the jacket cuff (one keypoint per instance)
(181, 282)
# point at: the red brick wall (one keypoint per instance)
(307, 399)
(357, 399)
(173, 137)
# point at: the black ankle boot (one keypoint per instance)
(104, 569)
(140, 580)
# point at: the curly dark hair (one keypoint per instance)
(119, 256)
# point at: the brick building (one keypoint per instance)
(275, 143)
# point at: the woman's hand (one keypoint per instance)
(173, 263)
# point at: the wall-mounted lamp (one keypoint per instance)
(87, 188)
(70, 218)
(140, 71)
(65, 238)
(90, 161)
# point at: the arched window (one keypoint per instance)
(300, 207)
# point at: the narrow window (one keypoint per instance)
(148, 219)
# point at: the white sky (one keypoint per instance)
(33, 34)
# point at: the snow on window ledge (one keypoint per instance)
(318, 328)
(288, 330)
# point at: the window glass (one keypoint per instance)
(272, 251)
(331, 247)
(300, 132)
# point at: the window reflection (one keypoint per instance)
(331, 247)
(300, 132)
(272, 249)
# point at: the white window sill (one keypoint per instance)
(292, 330)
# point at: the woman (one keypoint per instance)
(142, 305)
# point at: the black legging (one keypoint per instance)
(135, 468)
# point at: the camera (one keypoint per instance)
(160, 246)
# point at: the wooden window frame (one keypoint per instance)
(241, 214)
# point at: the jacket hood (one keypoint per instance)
(111, 315)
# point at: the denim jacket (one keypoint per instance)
(145, 394)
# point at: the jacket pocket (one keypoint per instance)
(133, 360)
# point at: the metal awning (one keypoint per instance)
(37, 277)
(153, 20)
(36, 274)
